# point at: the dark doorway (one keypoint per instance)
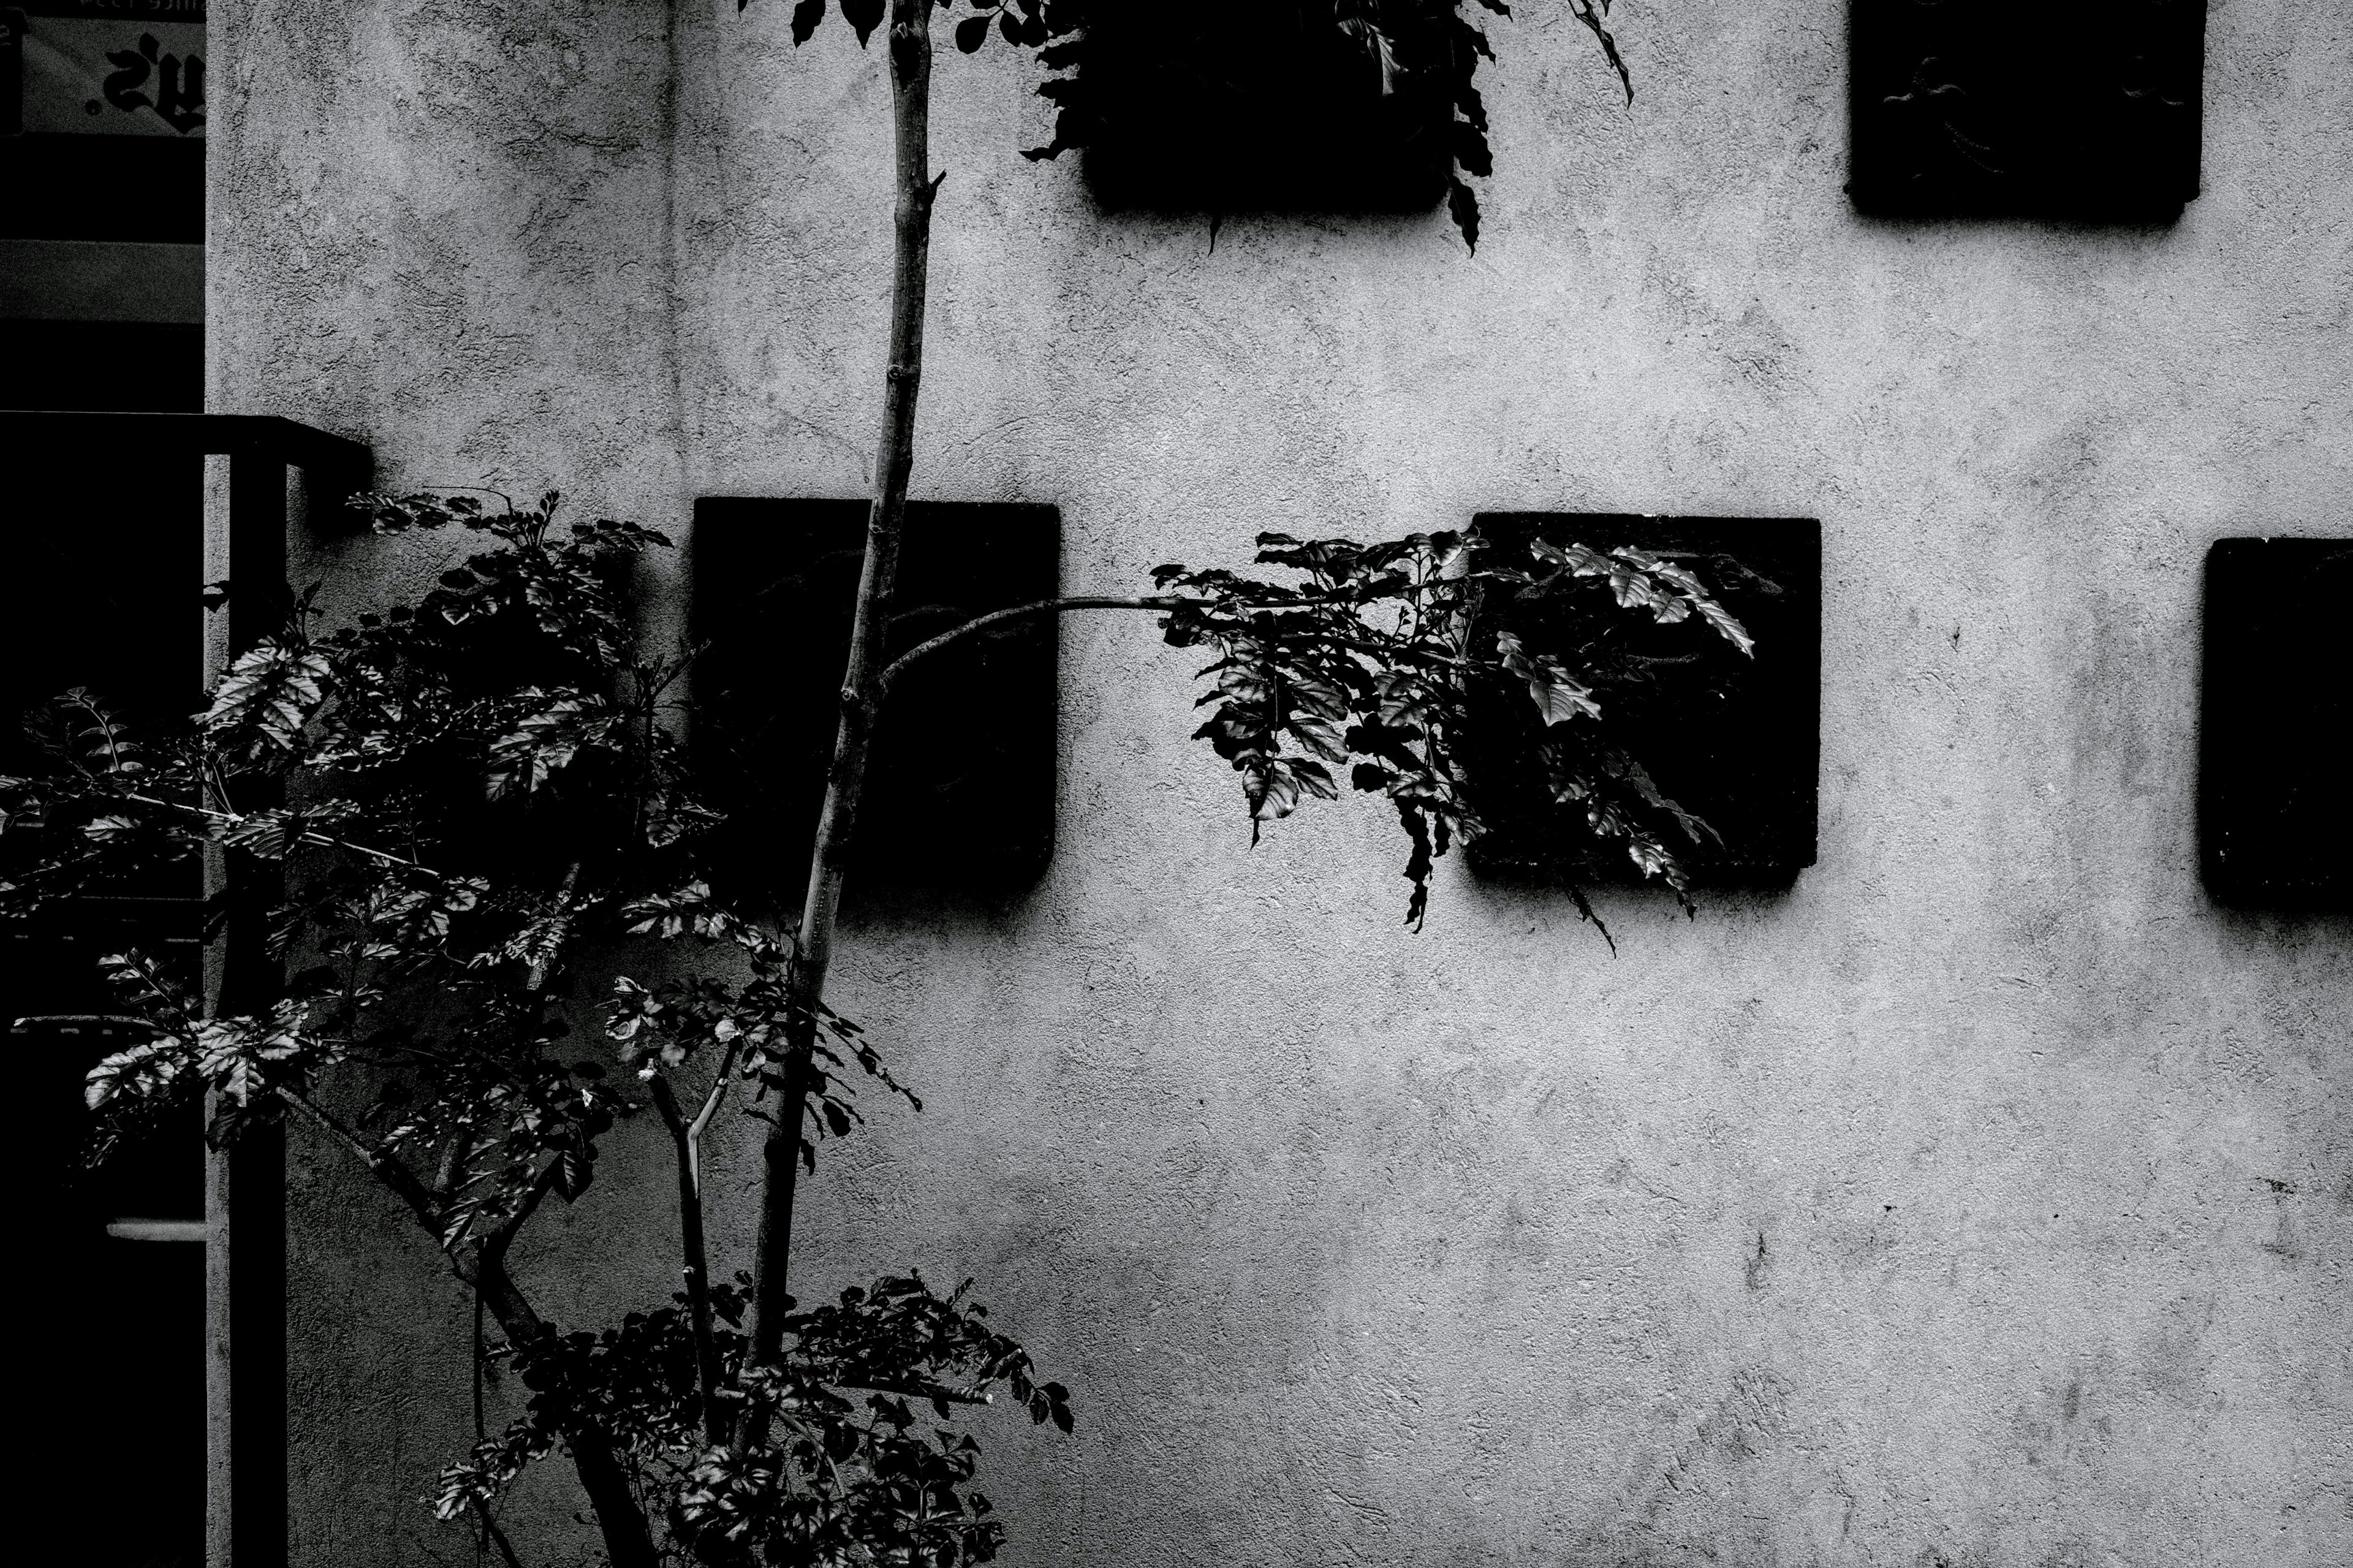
(100, 229)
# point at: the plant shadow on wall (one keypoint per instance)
(455, 814)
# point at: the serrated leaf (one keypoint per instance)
(271, 691)
(265, 833)
(1558, 695)
(1726, 625)
(542, 742)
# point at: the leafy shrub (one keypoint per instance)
(473, 802)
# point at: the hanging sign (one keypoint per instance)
(104, 67)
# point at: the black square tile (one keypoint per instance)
(1735, 741)
(1229, 106)
(960, 787)
(2084, 109)
(2275, 738)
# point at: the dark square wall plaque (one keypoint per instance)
(960, 790)
(1226, 106)
(1737, 742)
(2275, 734)
(2085, 109)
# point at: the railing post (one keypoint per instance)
(246, 1272)
(246, 1492)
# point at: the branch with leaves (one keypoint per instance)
(1385, 660)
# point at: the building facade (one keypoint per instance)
(1981, 1198)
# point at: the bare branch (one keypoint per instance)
(995, 618)
(697, 1266)
(718, 1092)
(323, 840)
(922, 1390)
(490, 1525)
(383, 1164)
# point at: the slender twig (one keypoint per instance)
(106, 730)
(494, 1246)
(697, 1268)
(1155, 602)
(718, 1092)
(163, 1001)
(922, 1390)
(422, 1200)
(1022, 612)
(385, 1166)
(506, 1547)
(323, 840)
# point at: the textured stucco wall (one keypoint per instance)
(1985, 1200)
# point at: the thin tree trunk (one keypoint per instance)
(911, 86)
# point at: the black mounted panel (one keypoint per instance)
(960, 790)
(102, 365)
(1228, 106)
(103, 187)
(2082, 110)
(1738, 741)
(2275, 737)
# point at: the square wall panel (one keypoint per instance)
(960, 787)
(1228, 106)
(1735, 741)
(2082, 110)
(2276, 733)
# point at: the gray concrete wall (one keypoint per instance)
(1985, 1200)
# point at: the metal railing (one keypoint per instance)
(246, 1224)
